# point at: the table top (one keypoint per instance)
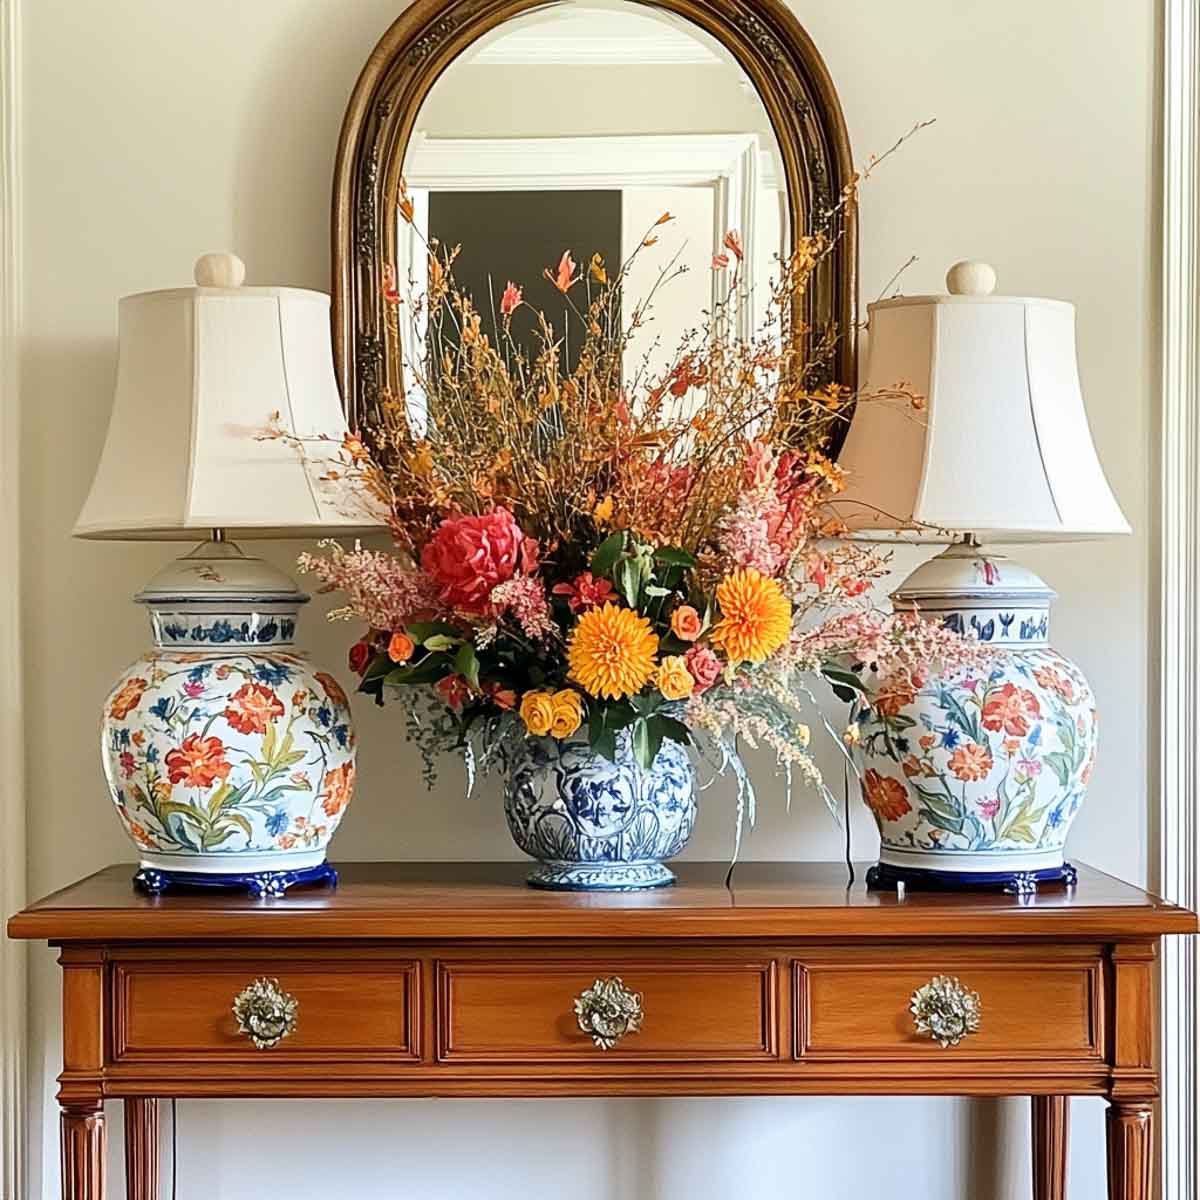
(402, 900)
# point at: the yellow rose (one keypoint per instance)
(674, 679)
(537, 711)
(568, 712)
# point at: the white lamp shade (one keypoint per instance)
(1001, 446)
(201, 374)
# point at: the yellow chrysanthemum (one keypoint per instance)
(756, 617)
(611, 652)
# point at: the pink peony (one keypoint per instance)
(468, 556)
(704, 667)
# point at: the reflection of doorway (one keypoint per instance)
(512, 235)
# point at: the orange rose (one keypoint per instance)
(127, 698)
(686, 623)
(674, 679)
(400, 647)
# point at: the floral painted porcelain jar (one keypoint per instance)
(598, 825)
(230, 760)
(975, 779)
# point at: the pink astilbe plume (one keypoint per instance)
(380, 589)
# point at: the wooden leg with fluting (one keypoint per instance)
(83, 1151)
(1051, 1128)
(141, 1150)
(1130, 1150)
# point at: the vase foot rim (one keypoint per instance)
(600, 877)
(155, 882)
(883, 877)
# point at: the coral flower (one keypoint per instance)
(704, 667)
(584, 592)
(686, 623)
(252, 708)
(886, 798)
(511, 300)
(339, 787)
(468, 556)
(611, 652)
(199, 762)
(756, 617)
(127, 699)
(971, 761)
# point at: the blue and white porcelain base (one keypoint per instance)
(155, 882)
(600, 877)
(883, 877)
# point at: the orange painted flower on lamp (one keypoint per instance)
(339, 787)
(252, 708)
(199, 762)
(127, 698)
(886, 798)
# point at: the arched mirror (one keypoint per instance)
(517, 130)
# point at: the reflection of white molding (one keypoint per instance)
(12, 749)
(591, 37)
(1178, 658)
(574, 163)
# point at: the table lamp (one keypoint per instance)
(230, 760)
(974, 779)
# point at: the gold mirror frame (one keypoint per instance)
(763, 35)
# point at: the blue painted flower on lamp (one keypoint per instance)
(597, 824)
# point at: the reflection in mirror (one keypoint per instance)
(574, 128)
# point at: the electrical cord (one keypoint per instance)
(174, 1151)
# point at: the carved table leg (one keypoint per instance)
(83, 1151)
(1051, 1127)
(1130, 1149)
(141, 1150)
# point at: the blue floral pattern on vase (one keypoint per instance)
(598, 825)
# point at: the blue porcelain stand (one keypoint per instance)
(884, 878)
(256, 883)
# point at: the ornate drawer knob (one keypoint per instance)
(945, 1010)
(608, 1010)
(265, 1013)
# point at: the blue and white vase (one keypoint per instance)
(974, 779)
(598, 825)
(230, 760)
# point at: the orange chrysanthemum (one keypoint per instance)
(756, 617)
(611, 652)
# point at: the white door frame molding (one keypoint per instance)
(12, 749)
(1178, 656)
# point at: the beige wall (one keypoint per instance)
(155, 131)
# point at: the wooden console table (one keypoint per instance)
(455, 979)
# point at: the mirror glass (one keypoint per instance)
(573, 128)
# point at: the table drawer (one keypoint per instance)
(525, 1011)
(348, 1008)
(1042, 1004)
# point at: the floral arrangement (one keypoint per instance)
(599, 553)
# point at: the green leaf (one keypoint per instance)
(604, 742)
(379, 666)
(466, 663)
(629, 580)
(647, 738)
(421, 631)
(440, 642)
(677, 731)
(846, 679)
(269, 743)
(429, 670)
(652, 589)
(675, 556)
(607, 553)
(240, 822)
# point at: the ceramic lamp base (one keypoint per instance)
(883, 877)
(600, 877)
(254, 883)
